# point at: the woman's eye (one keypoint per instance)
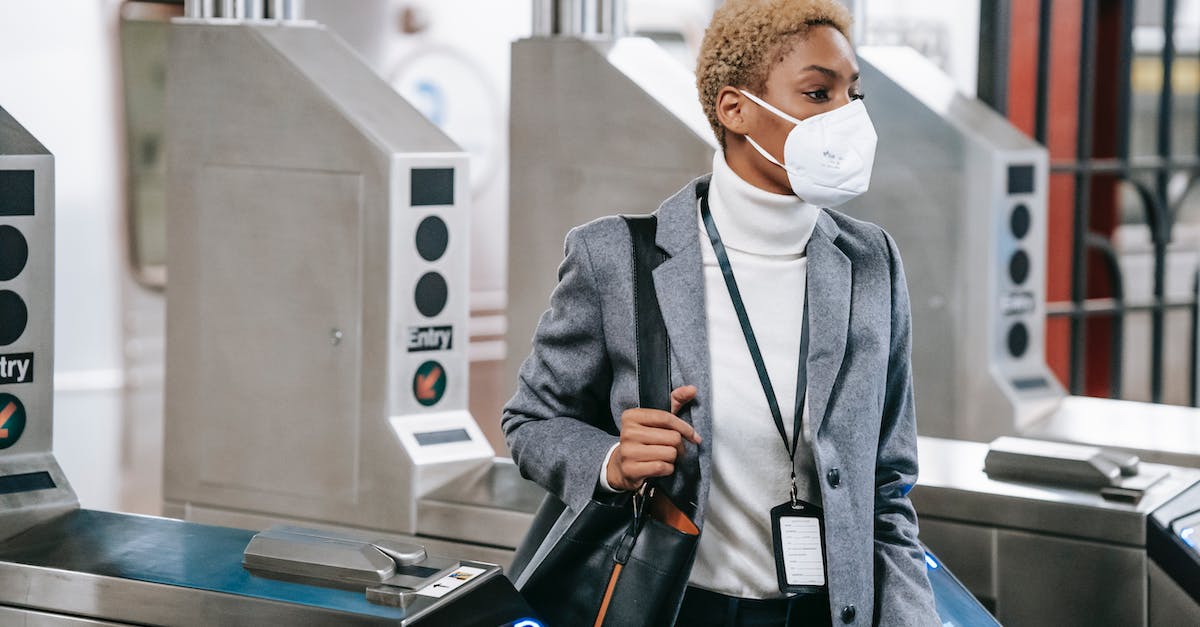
(819, 95)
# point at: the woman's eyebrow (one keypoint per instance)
(834, 74)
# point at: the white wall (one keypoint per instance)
(947, 31)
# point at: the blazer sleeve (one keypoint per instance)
(903, 595)
(558, 424)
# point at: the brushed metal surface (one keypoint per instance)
(307, 553)
(1170, 605)
(293, 273)
(1165, 434)
(32, 618)
(148, 570)
(257, 520)
(493, 506)
(1048, 555)
(142, 603)
(1046, 581)
(953, 486)
(281, 362)
(22, 510)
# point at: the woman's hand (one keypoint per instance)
(651, 441)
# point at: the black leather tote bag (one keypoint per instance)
(625, 559)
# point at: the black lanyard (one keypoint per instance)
(752, 344)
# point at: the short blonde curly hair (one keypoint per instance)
(747, 37)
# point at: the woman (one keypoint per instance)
(753, 252)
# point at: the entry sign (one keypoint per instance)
(16, 368)
(430, 339)
(429, 383)
(12, 420)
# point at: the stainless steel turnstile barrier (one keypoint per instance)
(964, 194)
(101, 568)
(1041, 554)
(316, 358)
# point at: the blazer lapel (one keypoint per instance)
(829, 280)
(679, 284)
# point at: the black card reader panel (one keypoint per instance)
(26, 482)
(16, 192)
(1020, 178)
(447, 436)
(432, 186)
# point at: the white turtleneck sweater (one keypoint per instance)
(765, 235)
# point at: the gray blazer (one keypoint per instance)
(581, 376)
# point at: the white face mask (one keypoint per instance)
(827, 157)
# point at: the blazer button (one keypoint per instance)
(848, 614)
(833, 477)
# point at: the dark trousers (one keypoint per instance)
(702, 608)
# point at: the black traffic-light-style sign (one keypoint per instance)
(12, 420)
(14, 252)
(429, 383)
(431, 294)
(432, 238)
(14, 315)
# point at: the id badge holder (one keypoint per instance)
(798, 534)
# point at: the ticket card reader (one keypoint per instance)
(389, 573)
(1115, 474)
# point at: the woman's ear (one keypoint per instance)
(730, 110)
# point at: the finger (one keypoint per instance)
(652, 435)
(641, 470)
(637, 453)
(681, 396)
(662, 420)
(684, 429)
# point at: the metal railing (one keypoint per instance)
(579, 18)
(245, 9)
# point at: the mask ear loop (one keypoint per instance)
(762, 103)
(766, 155)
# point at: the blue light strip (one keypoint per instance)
(1186, 536)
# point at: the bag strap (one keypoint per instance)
(653, 345)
